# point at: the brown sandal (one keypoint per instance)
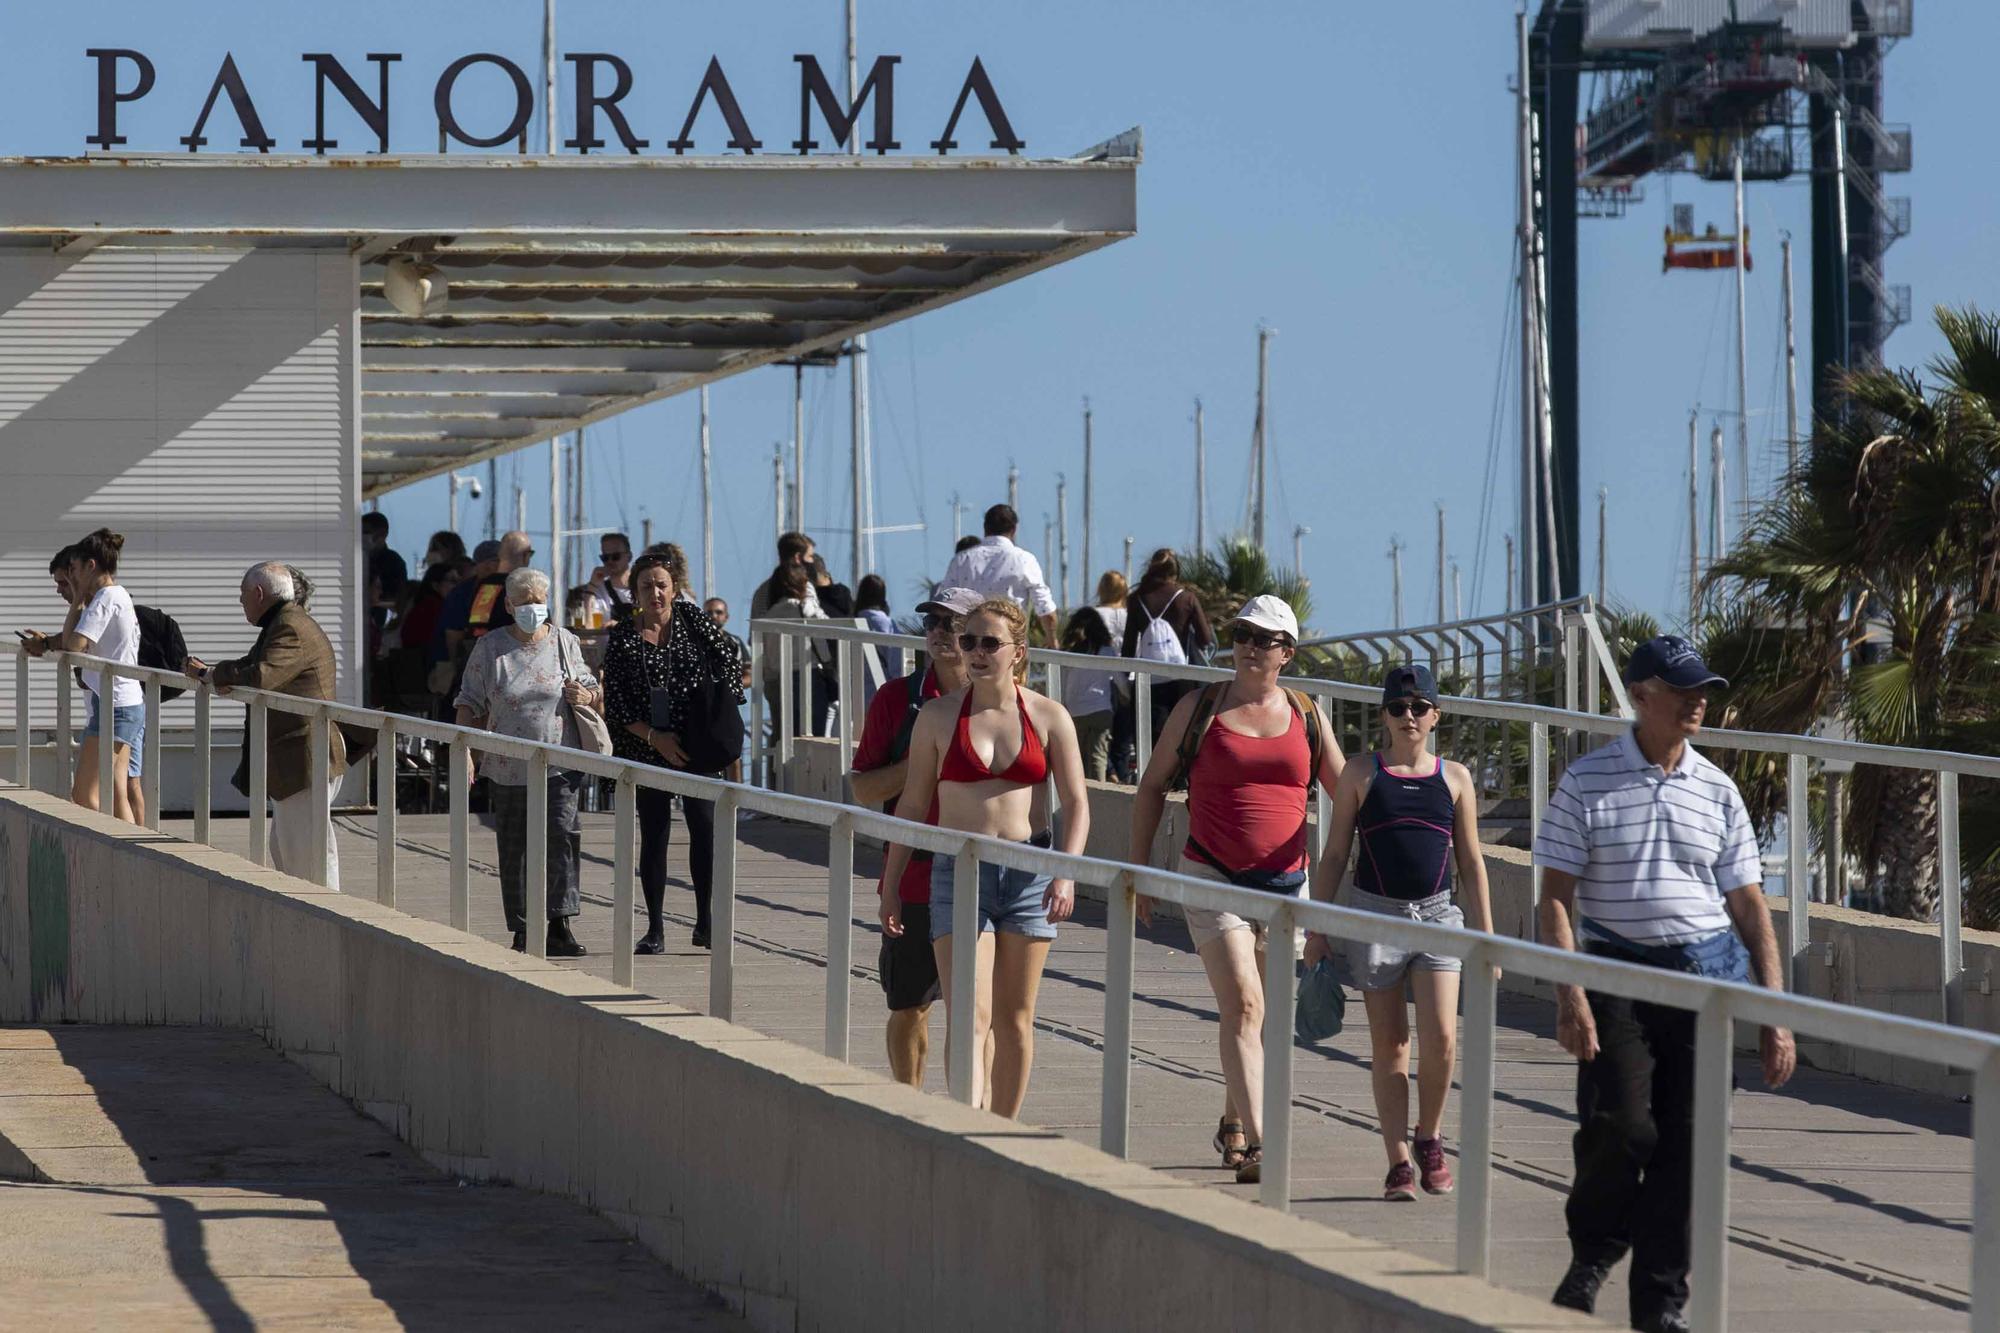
(1226, 1129)
(1251, 1171)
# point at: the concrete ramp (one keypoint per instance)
(192, 1177)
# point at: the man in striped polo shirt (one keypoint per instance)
(1648, 855)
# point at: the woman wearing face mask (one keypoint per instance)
(517, 683)
(985, 753)
(659, 669)
(1416, 814)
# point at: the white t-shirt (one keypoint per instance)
(113, 628)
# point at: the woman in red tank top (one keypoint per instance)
(1246, 826)
(986, 753)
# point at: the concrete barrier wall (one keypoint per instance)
(812, 1195)
(1857, 958)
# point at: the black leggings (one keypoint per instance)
(656, 812)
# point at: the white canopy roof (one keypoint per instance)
(580, 287)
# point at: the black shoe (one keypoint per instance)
(1578, 1289)
(520, 941)
(700, 937)
(561, 943)
(654, 941)
(1666, 1319)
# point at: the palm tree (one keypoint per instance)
(1234, 571)
(1883, 551)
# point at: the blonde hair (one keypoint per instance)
(1111, 589)
(1017, 625)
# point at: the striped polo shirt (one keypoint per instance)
(1652, 851)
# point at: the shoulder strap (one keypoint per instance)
(1197, 729)
(1303, 704)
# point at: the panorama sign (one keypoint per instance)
(125, 76)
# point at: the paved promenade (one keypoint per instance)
(1851, 1201)
(198, 1180)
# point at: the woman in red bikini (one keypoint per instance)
(986, 752)
(1250, 751)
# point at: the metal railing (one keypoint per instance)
(1717, 1005)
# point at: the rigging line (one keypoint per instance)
(1507, 325)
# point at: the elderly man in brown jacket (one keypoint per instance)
(291, 656)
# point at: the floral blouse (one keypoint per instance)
(696, 650)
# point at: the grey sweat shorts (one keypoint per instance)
(1381, 966)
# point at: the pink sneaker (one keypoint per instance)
(1430, 1161)
(1401, 1186)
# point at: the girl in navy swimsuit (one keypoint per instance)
(1417, 818)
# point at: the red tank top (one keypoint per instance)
(962, 763)
(1247, 798)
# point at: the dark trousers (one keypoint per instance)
(565, 847)
(1635, 1111)
(810, 716)
(655, 810)
(1166, 693)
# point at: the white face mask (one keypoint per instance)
(531, 617)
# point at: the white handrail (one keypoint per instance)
(1718, 1004)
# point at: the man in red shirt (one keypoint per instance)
(908, 966)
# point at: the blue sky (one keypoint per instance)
(1341, 172)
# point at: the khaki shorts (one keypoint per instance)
(1204, 926)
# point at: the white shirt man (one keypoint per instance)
(998, 568)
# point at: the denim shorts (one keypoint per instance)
(128, 727)
(1009, 900)
(1382, 966)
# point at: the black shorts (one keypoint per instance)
(908, 966)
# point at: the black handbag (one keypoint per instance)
(712, 731)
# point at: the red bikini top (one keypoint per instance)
(962, 763)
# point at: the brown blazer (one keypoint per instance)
(291, 656)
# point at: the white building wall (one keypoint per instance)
(203, 404)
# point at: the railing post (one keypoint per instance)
(204, 759)
(1280, 993)
(385, 811)
(319, 764)
(850, 699)
(1708, 1276)
(1475, 1114)
(961, 1051)
(787, 690)
(623, 818)
(1121, 903)
(65, 739)
(23, 754)
(840, 929)
(109, 777)
(806, 716)
(722, 909)
(760, 752)
(461, 850)
(260, 758)
(1951, 961)
(1986, 1194)
(1142, 718)
(535, 882)
(149, 779)
(1835, 887)
(1798, 910)
(1538, 801)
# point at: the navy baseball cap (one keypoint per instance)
(1672, 660)
(1412, 680)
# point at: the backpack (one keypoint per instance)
(1157, 641)
(161, 646)
(1204, 716)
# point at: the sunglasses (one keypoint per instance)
(612, 557)
(1409, 708)
(1243, 636)
(935, 622)
(982, 643)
